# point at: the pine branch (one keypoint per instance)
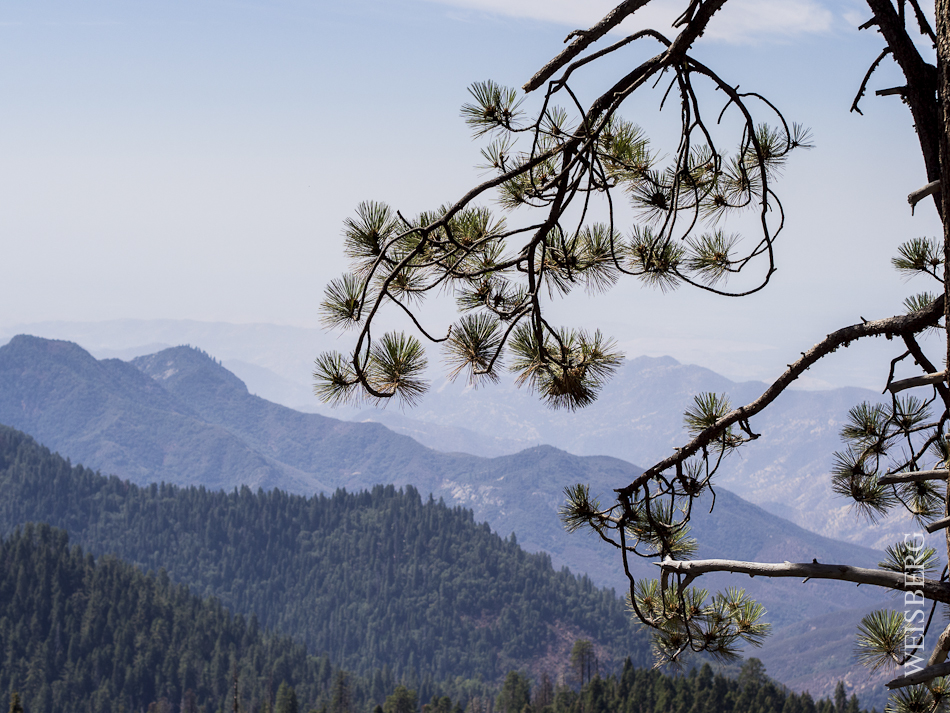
(900, 325)
(922, 676)
(932, 589)
(917, 476)
(585, 38)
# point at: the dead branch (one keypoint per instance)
(936, 525)
(932, 589)
(940, 651)
(917, 196)
(922, 676)
(925, 380)
(917, 476)
(584, 40)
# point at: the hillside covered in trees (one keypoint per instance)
(379, 578)
(637, 690)
(82, 634)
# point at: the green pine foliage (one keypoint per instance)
(379, 579)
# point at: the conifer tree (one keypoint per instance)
(341, 701)
(583, 661)
(558, 167)
(286, 699)
(401, 700)
(514, 694)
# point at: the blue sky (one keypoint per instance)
(196, 160)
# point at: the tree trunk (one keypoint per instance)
(942, 9)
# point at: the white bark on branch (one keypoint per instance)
(917, 476)
(931, 588)
(925, 380)
(922, 676)
(921, 193)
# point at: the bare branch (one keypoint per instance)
(921, 82)
(942, 524)
(917, 476)
(899, 91)
(932, 589)
(917, 196)
(925, 380)
(867, 78)
(584, 40)
(922, 676)
(939, 654)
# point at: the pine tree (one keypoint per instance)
(341, 700)
(401, 700)
(840, 698)
(583, 661)
(514, 694)
(286, 699)
(558, 173)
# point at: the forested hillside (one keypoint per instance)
(379, 578)
(637, 690)
(179, 416)
(81, 635)
(84, 635)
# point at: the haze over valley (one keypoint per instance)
(180, 417)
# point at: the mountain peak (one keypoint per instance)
(26, 345)
(198, 369)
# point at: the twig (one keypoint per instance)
(584, 40)
(867, 78)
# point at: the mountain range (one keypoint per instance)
(638, 417)
(179, 416)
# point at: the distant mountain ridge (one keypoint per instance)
(178, 416)
(301, 566)
(638, 417)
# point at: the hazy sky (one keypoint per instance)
(197, 159)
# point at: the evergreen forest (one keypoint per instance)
(368, 602)
(377, 579)
(85, 635)
(80, 634)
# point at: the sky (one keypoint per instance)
(196, 160)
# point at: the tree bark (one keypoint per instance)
(932, 589)
(917, 476)
(942, 9)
